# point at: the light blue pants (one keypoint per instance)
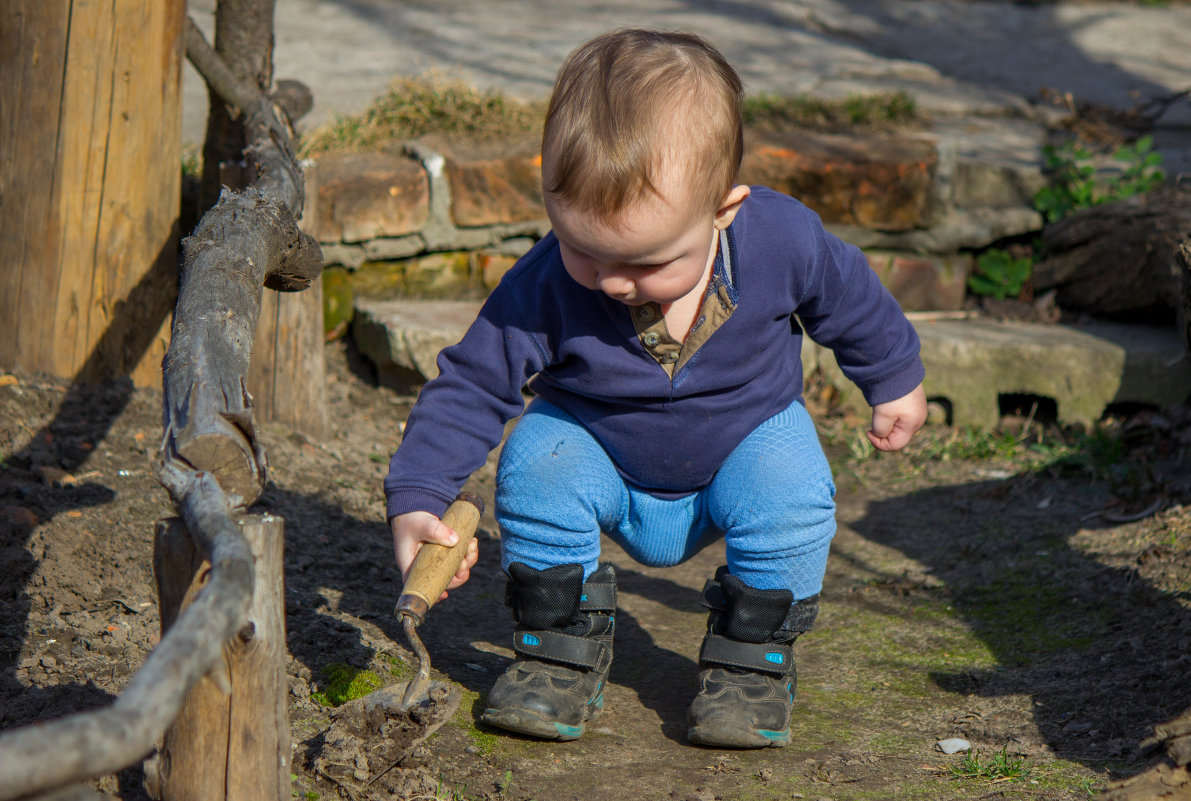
(772, 501)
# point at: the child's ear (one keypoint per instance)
(729, 206)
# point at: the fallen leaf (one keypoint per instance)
(8, 380)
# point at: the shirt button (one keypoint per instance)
(644, 313)
(651, 339)
(669, 358)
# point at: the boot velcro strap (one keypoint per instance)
(558, 647)
(597, 597)
(774, 657)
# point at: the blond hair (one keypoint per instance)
(629, 100)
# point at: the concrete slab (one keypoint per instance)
(970, 363)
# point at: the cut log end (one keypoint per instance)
(229, 459)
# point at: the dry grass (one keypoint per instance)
(437, 103)
(432, 103)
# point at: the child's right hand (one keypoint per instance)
(411, 530)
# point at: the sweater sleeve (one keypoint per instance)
(847, 309)
(459, 416)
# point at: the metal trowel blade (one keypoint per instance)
(435, 707)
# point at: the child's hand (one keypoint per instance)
(412, 529)
(895, 422)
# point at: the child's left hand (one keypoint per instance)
(896, 421)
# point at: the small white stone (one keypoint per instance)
(953, 745)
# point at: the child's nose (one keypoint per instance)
(615, 284)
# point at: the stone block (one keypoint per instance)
(402, 337)
(362, 196)
(879, 181)
(1084, 370)
(495, 191)
(491, 265)
(923, 283)
(986, 184)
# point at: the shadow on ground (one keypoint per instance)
(1101, 652)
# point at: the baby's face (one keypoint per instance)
(656, 250)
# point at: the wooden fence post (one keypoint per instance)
(287, 378)
(231, 741)
(90, 132)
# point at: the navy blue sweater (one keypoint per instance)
(666, 434)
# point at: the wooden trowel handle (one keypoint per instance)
(435, 564)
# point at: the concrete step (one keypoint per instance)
(971, 363)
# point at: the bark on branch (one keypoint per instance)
(210, 460)
(249, 239)
(94, 743)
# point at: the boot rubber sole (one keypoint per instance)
(524, 721)
(726, 734)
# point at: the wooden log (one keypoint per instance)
(248, 240)
(1119, 259)
(107, 740)
(90, 129)
(230, 741)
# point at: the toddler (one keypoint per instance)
(659, 328)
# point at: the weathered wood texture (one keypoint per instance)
(287, 378)
(244, 43)
(230, 741)
(90, 129)
(47, 756)
(288, 375)
(249, 239)
(1119, 259)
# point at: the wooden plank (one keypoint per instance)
(33, 35)
(135, 237)
(77, 189)
(90, 185)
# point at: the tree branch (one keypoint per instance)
(102, 741)
(216, 73)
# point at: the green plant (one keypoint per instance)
(1000, 274)
(1074, 184)
(1001, 767)
(192, 162)
(345, 683)
(505, 782)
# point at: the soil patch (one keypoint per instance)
(1032, 600)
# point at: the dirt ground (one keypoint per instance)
(1034, 601)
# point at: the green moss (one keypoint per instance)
(441, 104)
(342, 683)
(1023, 619)
(337, 302)
(437, 275)
(398, 668)
(466, 716)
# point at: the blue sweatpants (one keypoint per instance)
(772, 501)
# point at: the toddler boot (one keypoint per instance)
(747, 679)
(563, 641)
